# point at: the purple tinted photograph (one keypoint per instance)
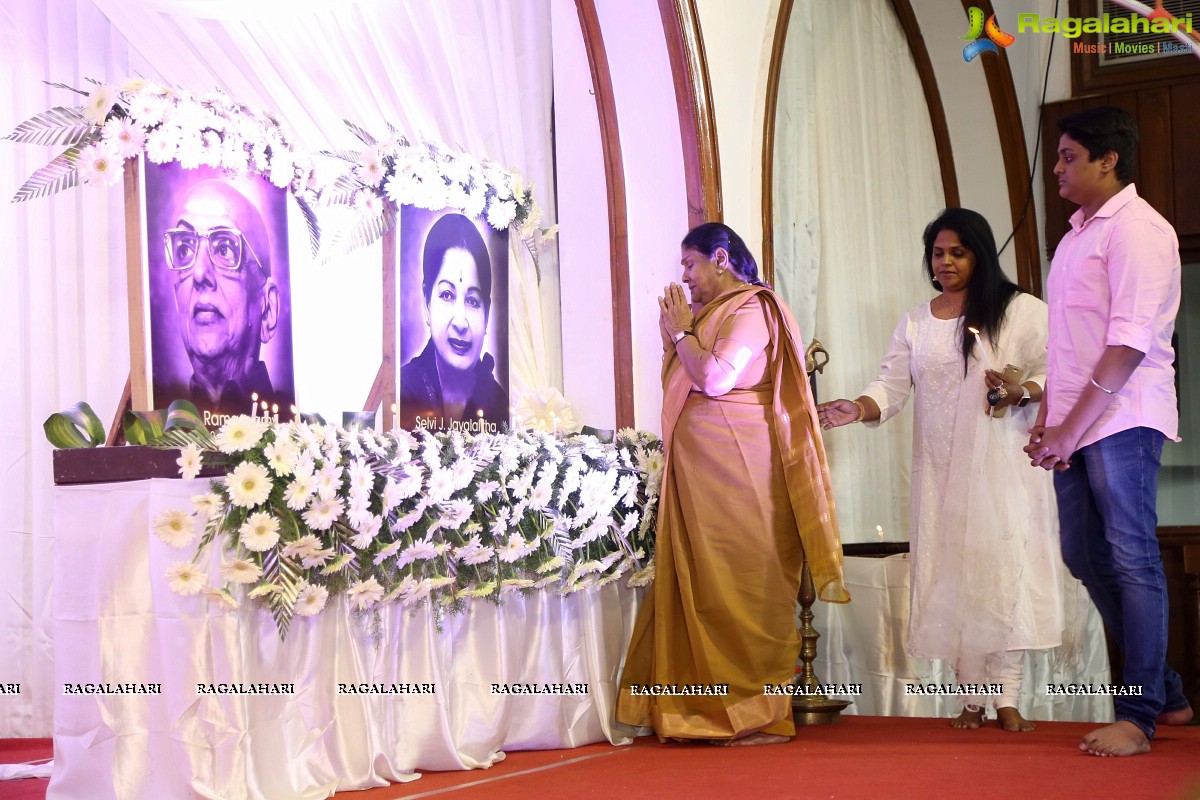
(453, 322)
(219, 316)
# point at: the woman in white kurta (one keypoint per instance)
(986, 568)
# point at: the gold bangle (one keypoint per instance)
(862, 411)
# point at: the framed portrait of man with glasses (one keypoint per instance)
(218, 292)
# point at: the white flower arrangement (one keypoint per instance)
(309, 511)
(115, 123)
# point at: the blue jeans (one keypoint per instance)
(1107, 520)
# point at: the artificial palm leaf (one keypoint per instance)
(60, 125)
(59, 174)
(363, 136)
(314, 227)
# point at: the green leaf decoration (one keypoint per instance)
(362, 135)
(284, 575)
(78, 426)
(60, 125)
(143, 427)
(314, 227)
(68, 88)
(59, 174)
(179, 438)
(363, 234)
(183, 415)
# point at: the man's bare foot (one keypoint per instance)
(968, 719)
(1011, 720)
(752, 739)
(1122, 738)
(1181, 716)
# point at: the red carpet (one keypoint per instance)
(864, 757)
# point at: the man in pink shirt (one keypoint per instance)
(1113, 292)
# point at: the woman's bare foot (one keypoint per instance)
(1181, 716)
(1011, 720)
(752, 739)
(968, 719)
(1122, 738)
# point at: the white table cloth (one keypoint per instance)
(115, 621)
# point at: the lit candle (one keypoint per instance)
(986, 361)
(879, 530)
(275, 412)
(254, 404)
(295, 413)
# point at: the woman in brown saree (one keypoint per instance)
(745, 494)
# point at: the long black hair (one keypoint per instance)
(989, 290)
(450, 232)
(710, 236)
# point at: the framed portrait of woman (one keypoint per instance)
(453, 322)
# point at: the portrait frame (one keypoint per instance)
(487, 411)
(235, 319)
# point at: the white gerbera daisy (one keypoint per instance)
(367, 529)
(184, 578)
(248, 484)
(299, 491)
(99, 103)
(241, 570)
(323, 513)
(98, 164)
(259, 532)
(282, 456)
(174, 527)
(207, 506)
(311, 600)
(239, 433)
(124, 137)
(189, 461)
(162, 145)
(364, 594)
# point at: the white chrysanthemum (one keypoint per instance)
(552, 565)
(311, 600)
(147, 109)
(367, 529)
(241, 570)
(441, 485)
(221, 597)
(174, 527)
(323, 513)
(328, 481)
(282, 456)
(124, 138)
(259, 532)
(98, 164)
(183, 577)
(99, 103)
(207, 506)
(161, 145)
(500, 214)
(516, 548)
(189, 461)
(248, 485)
(362, 479)
(299, 491)
(365, 593)
(455, 513)
(239, 433)
(370, 169)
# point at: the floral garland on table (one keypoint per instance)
(311, 510)
(168, 124)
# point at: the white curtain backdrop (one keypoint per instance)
(474, 74)
(856, 180)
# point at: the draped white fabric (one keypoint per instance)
(856, 180)
(865, 641)
(474, 74)
(116, 621)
